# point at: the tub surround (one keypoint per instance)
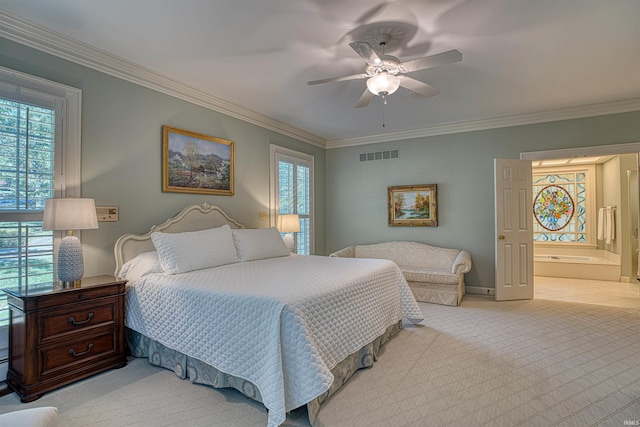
(591, 264)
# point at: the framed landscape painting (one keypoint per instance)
(413, 205)
(196, 163)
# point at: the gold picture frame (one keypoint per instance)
(413, 205)
(196, 163)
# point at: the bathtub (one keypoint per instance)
(576, 266)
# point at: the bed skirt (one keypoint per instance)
(199, 372)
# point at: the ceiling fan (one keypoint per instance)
(385, 73)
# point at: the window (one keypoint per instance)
(39, 159)
(27, 166)
(562, 200)
(292, 192)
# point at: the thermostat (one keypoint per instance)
(107, 213)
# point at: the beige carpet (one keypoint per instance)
(523, 363)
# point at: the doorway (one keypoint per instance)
(603, 290)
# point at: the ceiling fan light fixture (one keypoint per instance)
(383, 84)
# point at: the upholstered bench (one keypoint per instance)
(434, 274)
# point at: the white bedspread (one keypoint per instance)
(281, 323)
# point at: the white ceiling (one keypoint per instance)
(523, 60)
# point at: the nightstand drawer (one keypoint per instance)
(57, 323)
(62, 357)
(56, 300)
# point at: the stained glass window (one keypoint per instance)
(553, 207)
(559, 207)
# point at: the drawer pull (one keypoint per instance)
(72, 319)
(73, 353)
(82, 297)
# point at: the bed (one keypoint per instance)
(227, 306)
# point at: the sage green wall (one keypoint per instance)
(462, 167)
(122, 151)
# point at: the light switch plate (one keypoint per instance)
(107, 213)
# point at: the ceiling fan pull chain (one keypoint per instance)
(384, 101)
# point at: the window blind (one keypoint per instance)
(27, 171)
(294, 194)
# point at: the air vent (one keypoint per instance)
(380, 155)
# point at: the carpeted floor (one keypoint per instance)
(485, 363)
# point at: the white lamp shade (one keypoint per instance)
(288, 223)
(69, 214)
(383, 84)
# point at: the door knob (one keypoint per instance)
(501, 237)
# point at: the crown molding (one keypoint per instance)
(493, 123)
(35, 36)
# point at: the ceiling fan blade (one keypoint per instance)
(338, 79)
(422, 89)
(366, 52)
(431, 61)
(364, 99)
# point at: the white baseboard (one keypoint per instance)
(479, 290)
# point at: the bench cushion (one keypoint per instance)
(431, 275)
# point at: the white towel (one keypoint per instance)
(601, 224)
(609, 225)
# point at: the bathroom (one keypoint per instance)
(586, 218)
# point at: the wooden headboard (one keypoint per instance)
(191, 218)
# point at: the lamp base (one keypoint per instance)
(288, 240)
(69, 285)
(70, 262)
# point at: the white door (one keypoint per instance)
(514, 229)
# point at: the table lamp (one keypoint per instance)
(70, 214)
(288, 224)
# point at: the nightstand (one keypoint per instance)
(62, 334)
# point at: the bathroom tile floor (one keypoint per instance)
(614, 294)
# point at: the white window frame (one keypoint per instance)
(274, 196)
(27, 88)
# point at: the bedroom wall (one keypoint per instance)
(462, 167)
(122, 151)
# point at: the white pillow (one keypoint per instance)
(195, 250)
(259, 243)
(141, 265)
